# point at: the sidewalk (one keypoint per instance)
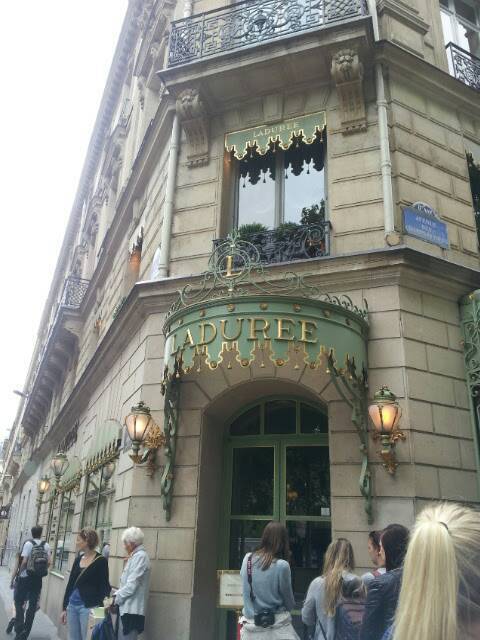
(43, 627)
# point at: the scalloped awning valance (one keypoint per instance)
(306, 129)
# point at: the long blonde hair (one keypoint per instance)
(338, 558)
(440, 594)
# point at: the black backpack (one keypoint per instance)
(37, 562)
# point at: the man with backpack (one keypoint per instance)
(33, 567)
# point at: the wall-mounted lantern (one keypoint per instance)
(59, 465)
(385, 413)
(144, 432)
(43, 485)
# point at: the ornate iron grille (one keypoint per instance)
(276, 245)
(464, 65)
(253, 22)
(73, 292)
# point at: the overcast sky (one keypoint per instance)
(54, 61)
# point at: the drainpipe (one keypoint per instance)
(166, 237)
(391, 236)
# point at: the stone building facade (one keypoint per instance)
(216, 117)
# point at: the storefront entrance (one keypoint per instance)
(277, 468)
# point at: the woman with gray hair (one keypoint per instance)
(131, 597)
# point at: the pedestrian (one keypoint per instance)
(383, 592)
(267, 588)
(87, 587)
(33, 567)
(131, 597)
(325, 591)
(350, 610)
(375, 556)
(440, 594)
(106, 550)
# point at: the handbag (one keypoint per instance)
(106, 630)
(266, 617)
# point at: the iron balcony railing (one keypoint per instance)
(249, 23)
(74, 291)
(285, 245)
(464, 65)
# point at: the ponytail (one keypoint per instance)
(427, 608)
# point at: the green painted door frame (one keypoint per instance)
(280, 443)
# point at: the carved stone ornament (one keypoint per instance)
(347, 72)
(193, 116)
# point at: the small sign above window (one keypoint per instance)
(261, 137)
(423, 222)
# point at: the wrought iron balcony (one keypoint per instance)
(279, 245)
(253, 22)
(464, 65)
(73, 292)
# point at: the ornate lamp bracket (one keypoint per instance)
(353, 390)
(171, 391)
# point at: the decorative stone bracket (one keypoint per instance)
(193, 116)
(347, 72)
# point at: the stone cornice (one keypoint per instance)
(428, 78)
(394, 266)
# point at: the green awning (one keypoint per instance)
(104, 445)
(310, 127)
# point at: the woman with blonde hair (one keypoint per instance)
(440, 594)
(325, 592)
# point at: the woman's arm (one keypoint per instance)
(70, 583)
(373, 616)
(137, 568)
(309, 611)
(286, 587)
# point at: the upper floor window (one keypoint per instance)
(273, 188)
(461, 24)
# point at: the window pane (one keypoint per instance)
(303, 190)
(90, 508)
(248, 424)
(468, 39)
(280, 417)
(103, 524)
(245, 536)
(256, 192)
(312, 420)
(308, 543)
(444, 3)
(307, 481)
(465, 10)
(252, 480)
(447, 28)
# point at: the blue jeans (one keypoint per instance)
(77, 620)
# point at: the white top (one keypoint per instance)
(133, 593)
(27, 550)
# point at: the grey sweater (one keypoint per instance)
(272, 588)
(313, 611)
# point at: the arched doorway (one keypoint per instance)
(277, 468)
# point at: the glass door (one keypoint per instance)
(277, 468)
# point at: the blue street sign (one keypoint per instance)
(421, 221)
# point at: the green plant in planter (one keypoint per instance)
(285, 230)
(246, 231)
(314, 214)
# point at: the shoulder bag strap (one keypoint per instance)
(83, 570)
(322, 629)
(249, 577)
